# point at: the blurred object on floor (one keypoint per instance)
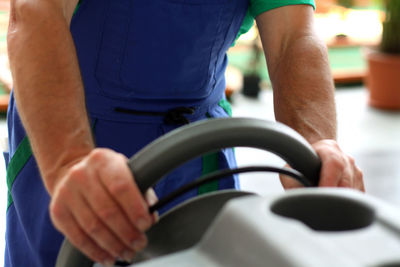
(251, 85)
(252, 77)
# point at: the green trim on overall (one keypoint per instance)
(210, 164)
(77, 6)
(20, 157)
(226, 106)
(210, 161)
(17, 163)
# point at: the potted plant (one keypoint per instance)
(383, 79)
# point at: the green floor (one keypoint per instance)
(346, 58)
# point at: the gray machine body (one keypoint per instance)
(347, 229)
(303, 227)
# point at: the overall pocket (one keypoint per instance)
(159, 49)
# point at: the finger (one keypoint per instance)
(113, 217)
(64, 221)
(333, 163)
(346, 180)
(118, 180)
(359, 180)
(94, 227)
(331, 173)
(86, 192)
(353, 176)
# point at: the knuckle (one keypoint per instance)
(119, 187)
(122, 157)
(348, 179)
(328, 143)
(94, 226)
(77, 174)
(345, 182)
(97, 155)
(56, 211)
(352, 161)
(335, 145)
(57, 206)
(63, 192)
(336, 162)
(108, 213)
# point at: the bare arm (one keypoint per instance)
(303, 88)
(299, 71)
(48, 86)
(50, 99)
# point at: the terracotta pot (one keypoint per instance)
(383, 79)
(4, 99)
(362, 3)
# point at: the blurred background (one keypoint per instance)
(368, 109)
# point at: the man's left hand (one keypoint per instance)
(338, 169)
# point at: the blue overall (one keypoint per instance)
(148, 66)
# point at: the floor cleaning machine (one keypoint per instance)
(310, 227)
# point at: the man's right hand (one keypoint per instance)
(94, 200)
(98, 207)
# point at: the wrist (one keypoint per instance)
(52, 176)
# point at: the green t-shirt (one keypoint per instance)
(256, 7)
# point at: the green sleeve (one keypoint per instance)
(257, 7)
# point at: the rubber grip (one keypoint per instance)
(179, 146)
